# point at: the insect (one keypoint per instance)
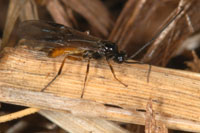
(56, 39)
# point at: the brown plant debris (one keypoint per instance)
(151, 124)
(195, 64)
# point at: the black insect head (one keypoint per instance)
(110, 51)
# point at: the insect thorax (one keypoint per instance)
(106, 49)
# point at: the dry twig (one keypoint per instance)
(24, 73)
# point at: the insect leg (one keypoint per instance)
(112, 70)
(59, 72)
(87, 72)
(148, 75)
(60, 69)
(138, 62)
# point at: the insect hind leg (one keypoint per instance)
(60, 70)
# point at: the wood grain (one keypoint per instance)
(75, 124)
(175, 94)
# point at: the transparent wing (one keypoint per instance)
(49, 35)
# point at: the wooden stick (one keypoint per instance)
(174, 93)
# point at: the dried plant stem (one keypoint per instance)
(174, 94)
(19, 114)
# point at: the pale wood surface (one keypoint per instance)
(81, 124)
(175, 94)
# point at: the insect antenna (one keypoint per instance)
(156, 36)
(149, 43)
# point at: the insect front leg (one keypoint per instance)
(138, 62)
(112, 70)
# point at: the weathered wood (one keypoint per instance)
(175, 94)
(75, 124)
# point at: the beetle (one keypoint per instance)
(56, 39)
